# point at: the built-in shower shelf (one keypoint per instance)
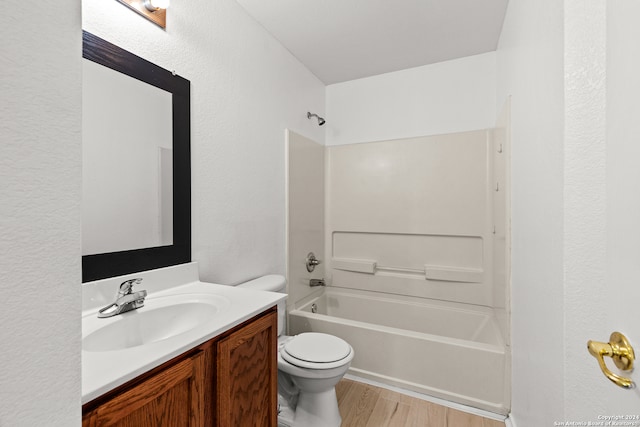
(430, 272)
(453, 274)
(357, 265)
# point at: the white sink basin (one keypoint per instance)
(160, 319)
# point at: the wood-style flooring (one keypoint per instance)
(368, 406)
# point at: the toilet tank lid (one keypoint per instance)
(271, 282)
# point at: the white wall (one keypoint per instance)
(530, 68)
(451, 96)
(602, 202)
(587, 394)
(40, 160)
(245, 90)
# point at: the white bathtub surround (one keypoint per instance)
(500, 161)
(416, 261)
(420, 210)
(305, 177)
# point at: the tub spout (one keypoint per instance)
(317, 282)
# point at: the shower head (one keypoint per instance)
(321, 121)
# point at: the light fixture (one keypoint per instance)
(154, 10)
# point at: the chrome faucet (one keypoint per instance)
(126, 299)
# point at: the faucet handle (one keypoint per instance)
(127, 286)
(311, 262)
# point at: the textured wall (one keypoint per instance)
(602, 202)
(586, 392)
(451, 96)
(530, 68)
(40, 125)
(245, 90)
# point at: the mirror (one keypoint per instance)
(113, 124)
(136, 208)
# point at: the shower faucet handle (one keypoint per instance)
(311, 262)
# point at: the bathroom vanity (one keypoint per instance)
(215, 367)
(221, 382)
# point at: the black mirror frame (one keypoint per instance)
(100, 266)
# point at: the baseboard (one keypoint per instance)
(509, 421)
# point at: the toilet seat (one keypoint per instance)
(313, 350)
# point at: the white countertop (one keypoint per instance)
(102, 371)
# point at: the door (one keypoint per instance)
(610, 302)
(623, 189)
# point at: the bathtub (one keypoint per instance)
(447, 350)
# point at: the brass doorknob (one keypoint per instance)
(619, 349)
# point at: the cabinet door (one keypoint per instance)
(247, 391)
(173, 397)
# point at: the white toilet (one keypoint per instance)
(309, 366)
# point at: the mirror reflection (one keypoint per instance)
(127, 162)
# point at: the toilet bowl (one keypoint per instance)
(309, 367)
(313, 363)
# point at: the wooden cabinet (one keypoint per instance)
(227, 381)
(172, 397)
(247, 390)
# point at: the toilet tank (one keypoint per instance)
(271, 283)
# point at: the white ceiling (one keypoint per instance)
(340, 40)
